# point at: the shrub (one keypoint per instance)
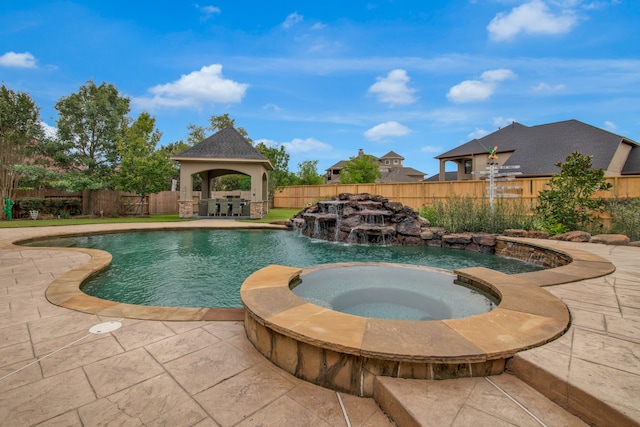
(460, 214)
(625, 217)
(568, 203)
(64, 208)
(30, 204)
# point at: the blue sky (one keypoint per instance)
(327, 78)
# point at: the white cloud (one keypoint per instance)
(470, 90)
(206, 86)
(386, 129)
(299, 145)
(610, 126)
(292, 20)
(531, 18)
(208, 11)
(49, 131)
(500, 122)
(273, 107)
(477, 133)
(497, 75)
(318, 26)
(19, 60)
(479, 90)
(393, 88)
(543, 87)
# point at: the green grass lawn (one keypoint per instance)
(276, 214)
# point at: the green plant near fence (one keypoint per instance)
(463, 213)
(63, 208)
(625, 216)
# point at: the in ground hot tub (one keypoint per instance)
(346, 352)
(392, 291)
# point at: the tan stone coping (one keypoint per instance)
(65, 291)
(527, 316)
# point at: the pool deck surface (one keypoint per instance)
(53, 371)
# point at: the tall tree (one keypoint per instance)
(217, 123)
(308, 173)
(143, 168)
(195, 136)
(89, 124)
(361, 169)
(279, 158)
(232, 181)
(20, 128)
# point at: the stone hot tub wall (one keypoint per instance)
(346, 353)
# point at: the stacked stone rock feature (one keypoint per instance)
(363, 218)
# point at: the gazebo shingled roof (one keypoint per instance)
(225, 144)
(223, 153)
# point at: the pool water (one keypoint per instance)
(392, 292)
(205, 268)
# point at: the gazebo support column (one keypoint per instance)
(258, 209)
(185, 208)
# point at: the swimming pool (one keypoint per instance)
(205, 268)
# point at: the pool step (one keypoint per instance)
(598, 406)
(480, 401)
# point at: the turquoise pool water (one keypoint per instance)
(205, 268)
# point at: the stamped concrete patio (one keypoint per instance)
(53, 371)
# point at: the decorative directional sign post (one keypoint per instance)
(499, 174)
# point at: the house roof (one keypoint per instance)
(537, 149)
(225, 144)
(338, 165)
(632, 166)
(448, 176)
(401, 174)
(392, 155)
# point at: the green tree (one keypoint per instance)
(89, 124)
(361, 169)
(195, 136)
(569, 202)
(233, 181)
(143, 169)
(20, 130)
(308, 173)
(217, 123)
(279, 158)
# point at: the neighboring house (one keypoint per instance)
(537, 149)
(390, 167)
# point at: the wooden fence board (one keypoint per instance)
(412, 194)
(418, 194)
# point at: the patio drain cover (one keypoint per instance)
(105, 327)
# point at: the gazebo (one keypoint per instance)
(226, 152)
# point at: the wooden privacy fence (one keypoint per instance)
(110, 202)
(414, 194)
(418, 194)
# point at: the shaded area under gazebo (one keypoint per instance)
(226, 152)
